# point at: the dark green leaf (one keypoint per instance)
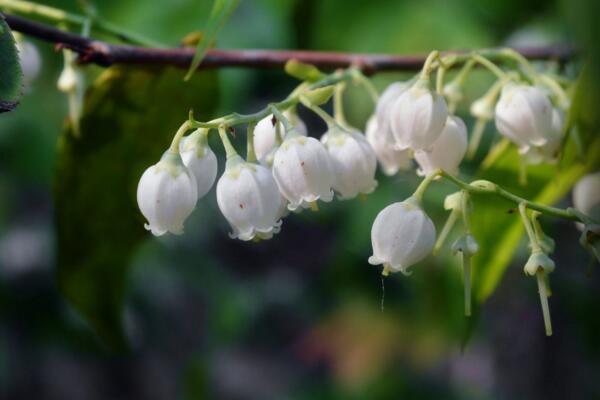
(11, 76)
(219, 14)
(129, 119)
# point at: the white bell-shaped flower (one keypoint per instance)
(200, 160)
(391, 159)
(524, 115)
(353, 162)
(249, 199)
(386, 101)
(166, 195)
(447, 151)
(302, 170)
(586, 196)
(550, 151)
(401, 236)
(418, 117)
(265, 134)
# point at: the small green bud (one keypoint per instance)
(483, 184)
(453, 201)
(302, 71)
(319, 96)
(590, 240)
(538, 260)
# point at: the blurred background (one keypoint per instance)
(296, 317)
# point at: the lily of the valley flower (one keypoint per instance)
(200, 160)
(302, 170)
(550, 151)
(166, 195)
(265, 134)
(586, 196)
(447, 151)
(418, 117)
(353, 162)
(524, 116)
(249, 199)
(401, 236)
(391, 159)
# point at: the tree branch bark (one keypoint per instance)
(106, 54)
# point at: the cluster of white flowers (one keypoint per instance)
(293, 171)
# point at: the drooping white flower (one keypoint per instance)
(447, 151)
(386, 101)
(401, 236)
(550, 151)
(166, 195)
(249, 199)
(391, 159)
(586, 196)
(524, 115)
(265, 134)
(418, 117)
(353, 162)
(302, 170)
(200, 160)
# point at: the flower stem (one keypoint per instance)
(418, 194)
(452, 218)
(229, 149)
(174, 148)
(428, 65)
(466, 258)
(544, 300)
(329, 120)
(476, 135)
(490, 66)
(250, 153)
(281, 118)
(439, 81)
(338, 104)
(535, 245)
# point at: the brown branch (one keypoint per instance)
(105, 54)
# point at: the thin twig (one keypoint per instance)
(105, 54)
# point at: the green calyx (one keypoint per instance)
(171, 162)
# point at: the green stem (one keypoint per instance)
(544, 300)
(329, 120)
(174, 148)
(467, 282)
(535, 245)
(428, 65)
(529, 70)
(465, 211)
(476, 136)
(338, 104)
(58, 15)
(439, 81)
(418, 194)
(229, 149)
(282, 118)
(452, 218)
(464, 71)
(250, 153)
(490, 66)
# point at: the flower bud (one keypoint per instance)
(453, 92)
(382, 142)
(524, 115)
(353, 162)
(249, 199)
(590, 240)
(586, 195)
(200, 160)
(418, 117)
(466, 245)
(454, 201)
(68, 80)
(265, 133)
(401, 236)
(538, 260)
(482, 108)
(166, 195)
(302, 170)
(447, 151)
(483, 184)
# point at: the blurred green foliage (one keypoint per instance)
(10, 69)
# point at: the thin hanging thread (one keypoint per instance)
(382, 293)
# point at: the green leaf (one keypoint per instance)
(129, 119)
(219, 14)
(11, 76)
